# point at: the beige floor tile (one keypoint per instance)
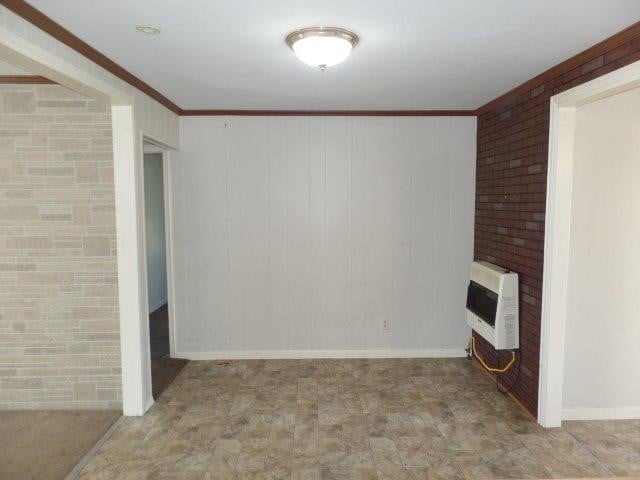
(356, 420)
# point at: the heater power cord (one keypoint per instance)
(513, 384)
(471, 349)
(472, 343)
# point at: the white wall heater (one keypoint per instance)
(492, 305)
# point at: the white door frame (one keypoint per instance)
(127, 163)
(169, 242)
(168, 235)
(558, 231)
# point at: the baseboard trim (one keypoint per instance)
(304, 354)
(597, 413)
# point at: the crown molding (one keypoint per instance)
(24, 79)
(606, 45)
(57, 31)
(331, 113)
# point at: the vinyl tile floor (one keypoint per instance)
(353, 419)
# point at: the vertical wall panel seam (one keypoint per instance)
(228, 220)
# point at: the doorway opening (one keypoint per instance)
(589, 328)
(164, 368)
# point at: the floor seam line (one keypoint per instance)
(87, 457)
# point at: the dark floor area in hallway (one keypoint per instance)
(164, 369)
(159, 332)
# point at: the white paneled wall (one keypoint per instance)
(299, 236)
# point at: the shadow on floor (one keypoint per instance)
(47, 444)
(164, 369)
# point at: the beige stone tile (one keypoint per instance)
(18, 102)
(96, 246)
(305, 474)
(18, 212)
(252, 455)
(84, 391)
(411, 451)
(69, 144)
(87, 173)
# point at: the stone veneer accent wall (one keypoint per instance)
(59, 330)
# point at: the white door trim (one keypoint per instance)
(558, 231)
(168, 225)
(136, 395)
(157, 147)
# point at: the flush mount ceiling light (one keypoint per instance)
(322, 47)
(148, 29)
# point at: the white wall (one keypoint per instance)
(154, 231)
(601, 376)
(300, 235)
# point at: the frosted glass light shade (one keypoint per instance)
(322, 47)
(322, 51)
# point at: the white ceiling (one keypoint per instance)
(413, 54)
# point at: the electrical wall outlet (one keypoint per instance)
(386, 324)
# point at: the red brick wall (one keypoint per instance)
(511, 181)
